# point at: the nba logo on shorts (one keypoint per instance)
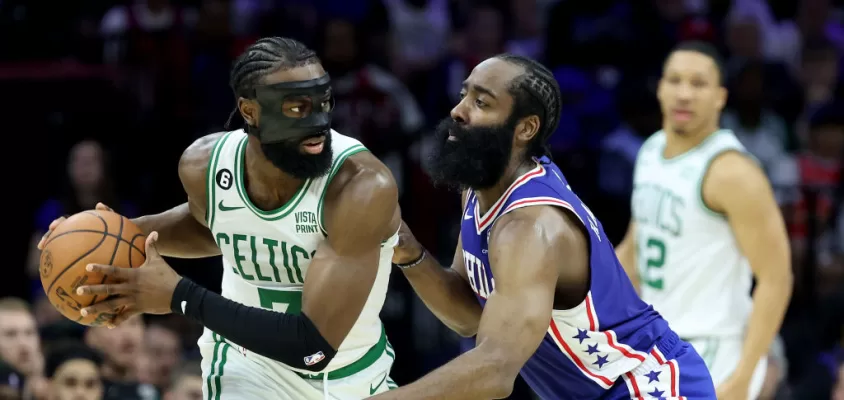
(314, 358)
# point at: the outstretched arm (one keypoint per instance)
(737, 187)
(527, 250)
(445, 291)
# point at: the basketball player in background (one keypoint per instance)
(531, 252)
(704, 223)
(285, 199)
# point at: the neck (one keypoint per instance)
(266, 185)
(516, 168)
(117, 373)
(676, 144)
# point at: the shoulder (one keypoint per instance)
(363, 180)
(193, 164)
(554, 227)
(733, 177)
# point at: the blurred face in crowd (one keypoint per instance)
(76, 379)
(122, 345)
(340, 47)
(690, 93)
(187, 387)
(819, 67)
(163, 348)
(485, 30)
(828, 141)
(474, 146)
(743, 38)
(86, 165)
(750, 88)
(838, 391)
(20, 346)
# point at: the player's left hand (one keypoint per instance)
(146, 289)
(734, 388)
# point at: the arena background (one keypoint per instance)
(99, 98)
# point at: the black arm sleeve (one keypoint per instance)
(291, 339)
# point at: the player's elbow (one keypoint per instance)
(502, 389)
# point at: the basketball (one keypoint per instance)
(89, 237)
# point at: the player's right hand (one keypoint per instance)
(408, 249)
(57, 221)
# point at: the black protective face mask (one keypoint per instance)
(281, 135)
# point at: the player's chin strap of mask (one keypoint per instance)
(291, 339)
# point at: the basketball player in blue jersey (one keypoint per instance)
(534, 276)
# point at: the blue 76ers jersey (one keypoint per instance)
(589, 347)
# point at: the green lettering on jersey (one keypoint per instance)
(222, 237)
(658, 207)
(271, 245)
(261, 276)
(298, 250)
(291, 257)
(238, 258)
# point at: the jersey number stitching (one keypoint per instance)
(292, 299)
(655, 251)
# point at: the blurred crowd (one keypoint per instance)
(107, 94)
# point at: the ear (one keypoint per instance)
(250, 110)
(527, 128)
(721, 99)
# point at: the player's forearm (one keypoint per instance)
(770, 301)
(447, 295)
(180, 235)
(476, 374)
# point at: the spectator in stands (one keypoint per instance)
(88, 182)
(121, 348)
(186, 383)
(759, 129)
(20, 345)
(74, 372)
(163, 349)
(11, 383)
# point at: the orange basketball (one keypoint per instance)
(90, 237)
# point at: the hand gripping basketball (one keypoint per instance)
(146, 289)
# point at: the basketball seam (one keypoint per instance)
(95, 231)
(105, 235)
(113, 254)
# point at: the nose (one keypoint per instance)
(459, 112)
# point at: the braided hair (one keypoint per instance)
(535, 92)
(265, 57)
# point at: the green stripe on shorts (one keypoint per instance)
(218, 363)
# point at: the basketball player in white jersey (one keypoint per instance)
(305, 220)
(704, 223)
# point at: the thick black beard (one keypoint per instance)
(288, 157)
(477, 159)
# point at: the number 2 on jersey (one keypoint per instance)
(654, 253)
(291, 299)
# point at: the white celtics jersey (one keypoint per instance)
(689, 263)
(266, 254)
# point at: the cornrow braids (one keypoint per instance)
(536, 92)
(267, 55)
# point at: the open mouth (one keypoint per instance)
(314, 145)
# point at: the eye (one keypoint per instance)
(326, 105)
(480, 104)
(462, 95)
